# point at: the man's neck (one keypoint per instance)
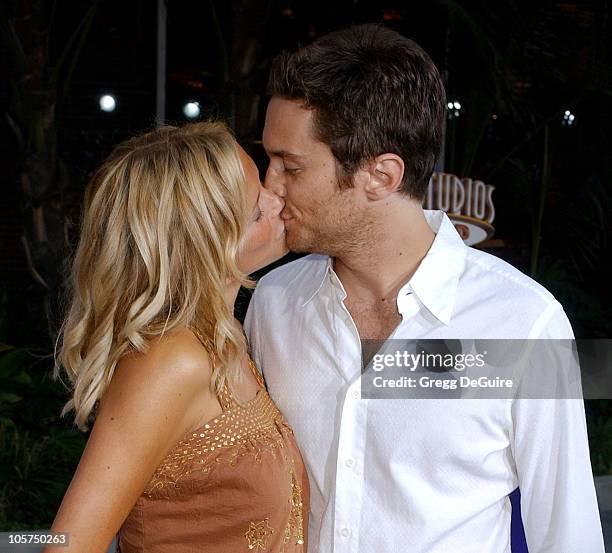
(390, 259)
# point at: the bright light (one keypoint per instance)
(454, 109)
(191, 110)
(568, 118)
(108, 103)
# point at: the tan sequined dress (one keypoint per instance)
(237, 483)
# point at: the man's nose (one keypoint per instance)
(274, 183)
(270, 202)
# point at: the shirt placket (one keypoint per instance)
(349, 481)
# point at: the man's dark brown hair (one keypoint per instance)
(373, 91)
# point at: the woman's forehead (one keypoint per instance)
(251, 174)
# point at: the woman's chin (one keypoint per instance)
(278, 254)
(256, 265)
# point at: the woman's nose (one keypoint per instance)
(270, 202)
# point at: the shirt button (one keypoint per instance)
(349, 462)
(345, 532)
(355, 394)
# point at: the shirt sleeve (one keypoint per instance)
(551, 453)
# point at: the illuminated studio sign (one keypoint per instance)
(468, 203)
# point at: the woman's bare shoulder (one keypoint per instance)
(177, 357)
(165, 380)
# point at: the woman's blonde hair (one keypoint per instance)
(161, 226)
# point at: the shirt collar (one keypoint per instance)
(436, 279)
(323, 268)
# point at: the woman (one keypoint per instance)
(188, 451)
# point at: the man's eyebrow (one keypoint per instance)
(284, 153)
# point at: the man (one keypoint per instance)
(352, 132)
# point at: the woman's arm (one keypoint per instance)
(153, 400)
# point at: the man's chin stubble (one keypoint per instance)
(320, 247)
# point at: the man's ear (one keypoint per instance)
(384, 176)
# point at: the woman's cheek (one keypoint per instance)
(256, 239)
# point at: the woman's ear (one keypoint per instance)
(385, 173)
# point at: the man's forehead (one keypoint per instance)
(287, 115)
(287, 107)
(287, 130)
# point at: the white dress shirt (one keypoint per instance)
(424, 475)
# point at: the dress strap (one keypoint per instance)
(206, 342)
(258, 376)
(224, 397)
